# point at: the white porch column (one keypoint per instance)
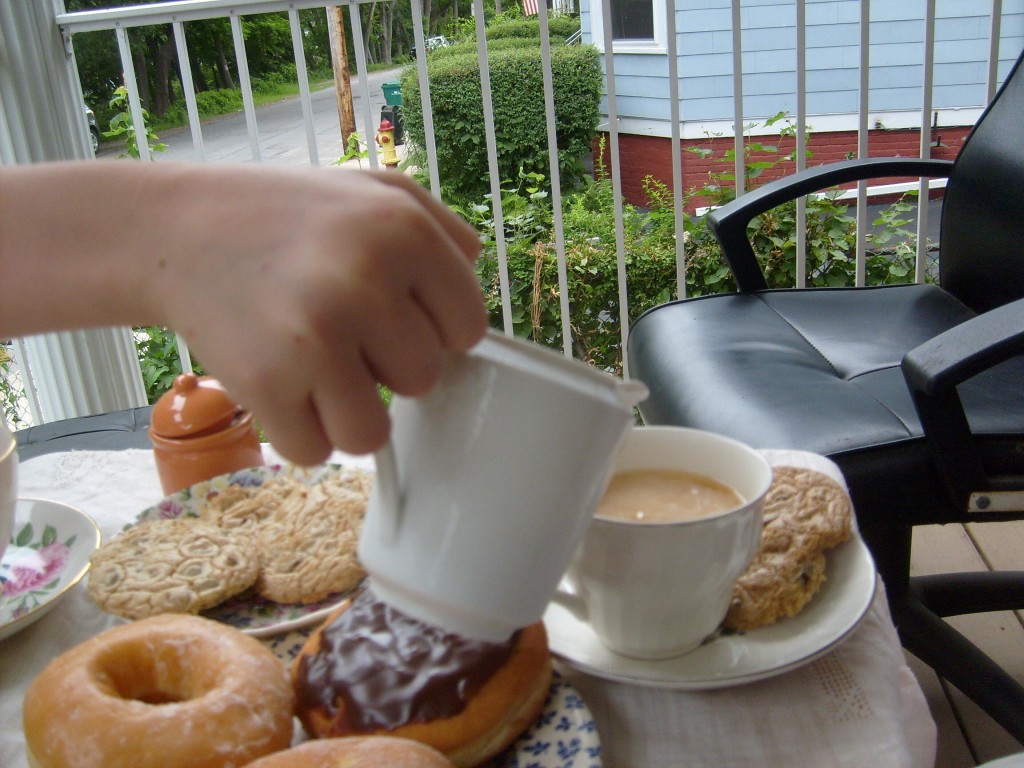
(41, 119)
(76, 373)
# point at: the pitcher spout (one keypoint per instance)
(632, 392)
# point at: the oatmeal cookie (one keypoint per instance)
(806, 513)
(811, 504)
(171, 566)
(308, 541)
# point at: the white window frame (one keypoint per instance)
(658, 45)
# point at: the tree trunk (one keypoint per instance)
(224, 79)
(163, 55)
(342, 75)
(141, 77)
(387, 19)
(366, 32)
(198, 76)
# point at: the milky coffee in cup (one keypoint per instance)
(665, 496)
(651, 589)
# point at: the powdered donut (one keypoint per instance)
(357, 752)
(171, 691)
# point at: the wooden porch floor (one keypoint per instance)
(968, 737)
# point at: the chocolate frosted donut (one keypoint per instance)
(372, 670)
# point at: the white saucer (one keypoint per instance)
(735, 659)
(48, 554)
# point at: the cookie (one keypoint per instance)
(806, 513)
(239, 506)
(811, 504)
(308, 541)
(171, 566)
(774, 587)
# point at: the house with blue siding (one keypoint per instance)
(896, 52)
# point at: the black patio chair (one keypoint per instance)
(915, 391)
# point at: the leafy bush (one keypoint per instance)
(830, 231)
(122, 126)
(10, 390)
(559, 26)
(521, 134)
(160, 360)
(493, 46)
(591, 265)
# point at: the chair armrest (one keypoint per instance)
(932, 372)
(729, 223)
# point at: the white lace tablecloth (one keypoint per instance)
(858, 706)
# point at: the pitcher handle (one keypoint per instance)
(390, 501)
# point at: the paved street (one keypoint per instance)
(282, 132)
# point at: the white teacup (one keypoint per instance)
(489, 483)
(654, 590)
(8, 485)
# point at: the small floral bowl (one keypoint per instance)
(48, 554)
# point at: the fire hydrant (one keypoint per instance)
(386, 140)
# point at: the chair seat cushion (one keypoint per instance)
(812, 369)
(112, 431)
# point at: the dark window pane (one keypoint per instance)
(632, 19)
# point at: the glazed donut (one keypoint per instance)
(372, 670)
(357, 752)
(171, 691)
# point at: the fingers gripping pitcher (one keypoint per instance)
(489, 483)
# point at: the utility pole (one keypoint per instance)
(342, 75)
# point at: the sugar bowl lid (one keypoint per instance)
(193, 407)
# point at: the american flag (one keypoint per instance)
(529, 7)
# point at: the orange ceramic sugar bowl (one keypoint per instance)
(199, 432)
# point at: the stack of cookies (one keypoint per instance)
(806, 513)
(288, 541)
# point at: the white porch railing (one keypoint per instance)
(21, 129)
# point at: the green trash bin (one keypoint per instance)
(392, 93)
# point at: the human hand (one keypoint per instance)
(301, 291)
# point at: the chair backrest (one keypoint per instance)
(982, 250)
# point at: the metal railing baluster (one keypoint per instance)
(299, 53)
(245, 83)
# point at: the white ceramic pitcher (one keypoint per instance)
(489, 483)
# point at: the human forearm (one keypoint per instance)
(63, 245)
(300, 288)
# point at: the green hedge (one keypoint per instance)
(520, 128)
(558, 27)
(493, 46)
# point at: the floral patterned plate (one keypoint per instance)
(564, 735)
(250, 613)
(48, 554)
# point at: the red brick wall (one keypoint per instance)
(643, 156)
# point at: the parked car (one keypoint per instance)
(432, 43)
(94, 131)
